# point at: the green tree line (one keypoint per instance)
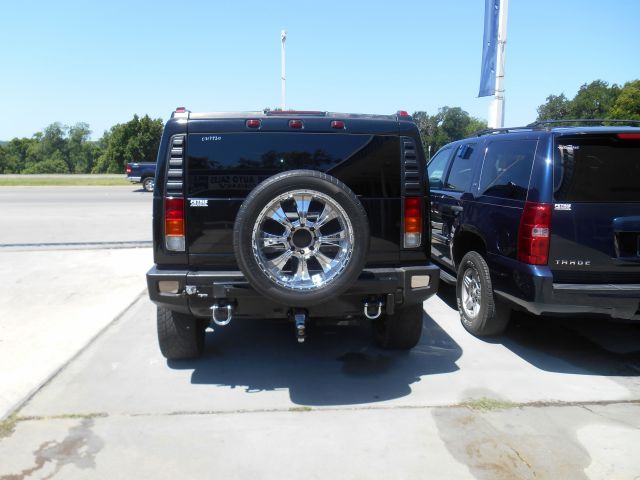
(448, 125)
(68, 149)
(597, 99)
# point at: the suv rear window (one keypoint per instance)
(232, 164)
(596, 168)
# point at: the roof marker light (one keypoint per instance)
(181, 109)
(403, 113)
(253, 123)
(295, 124)
(337, 124)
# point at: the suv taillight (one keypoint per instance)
(412, 222)
(534, 233)
(174, 224)
(128, 169)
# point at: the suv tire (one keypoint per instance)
(180, 336)
(400, 331)
(480, 313)
(279, 239)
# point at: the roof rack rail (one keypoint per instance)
(295, 112)
(543, 123)
(549, 123)
(488, 131)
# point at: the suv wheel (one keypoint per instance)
(148, 184)
(480, 314)
(400, 331)
(301, 238)
(180, 336)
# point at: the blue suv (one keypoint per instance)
(543, 219)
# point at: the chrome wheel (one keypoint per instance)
(470, 292)
(302, 240)
(148, 184)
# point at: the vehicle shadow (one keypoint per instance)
(337, 365)
(584, 346)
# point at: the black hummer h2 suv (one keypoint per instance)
(298, 215)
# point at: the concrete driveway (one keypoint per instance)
(550, 399)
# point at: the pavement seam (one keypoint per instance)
(307, 409)
(17, 406)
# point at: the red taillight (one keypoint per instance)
(534, 233)
(412, 222)
(128, 169)
(629, 136)
(295, 123)
(174, 223)
(253, 123)
(338, 124)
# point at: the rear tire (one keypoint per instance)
(400, 331)
(480, 313)
(180, 336)
(148, 184)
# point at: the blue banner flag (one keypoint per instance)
(489, 48)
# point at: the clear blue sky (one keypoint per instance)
(101, 62)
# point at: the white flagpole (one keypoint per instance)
(283, 78)
(496, 109)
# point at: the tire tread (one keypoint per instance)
(179, 336)
(493, 317)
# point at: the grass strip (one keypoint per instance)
(27, 181)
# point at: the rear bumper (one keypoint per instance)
(531, 288)
(394, 287)
(134, 179)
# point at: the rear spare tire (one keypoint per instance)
(301, 237)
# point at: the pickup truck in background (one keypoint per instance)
(142, 172)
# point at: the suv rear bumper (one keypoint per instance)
(531, 288)
(394, 287)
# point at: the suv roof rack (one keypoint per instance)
(543, 123)
(295, 112)
(538, 125)
(487, 131)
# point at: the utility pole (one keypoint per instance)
(283, 77)
(496, 109)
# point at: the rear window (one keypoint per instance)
(596, 168)
(232, 164)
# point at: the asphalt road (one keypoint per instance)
(551, 398)
(57, 216)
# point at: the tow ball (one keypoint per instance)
(300, 319)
